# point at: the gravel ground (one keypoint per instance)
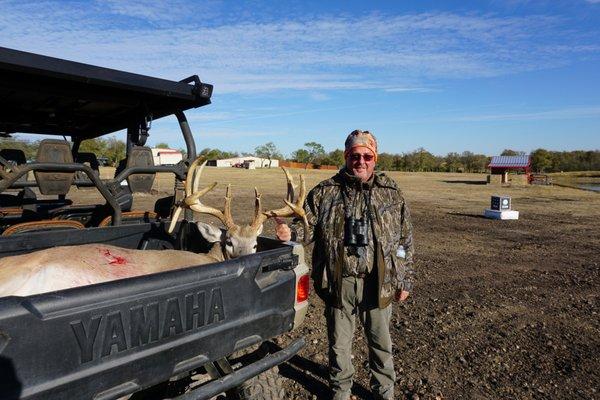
(501, 309)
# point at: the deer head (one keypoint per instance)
(237, 240)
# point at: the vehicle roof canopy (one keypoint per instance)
(40, 94)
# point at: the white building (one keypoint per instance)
(249, 162)
(166, 156)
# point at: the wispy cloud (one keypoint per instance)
(210, 116)
(228, 137)
(162, 12)
(409, 89)
(562, 113)
(277, 113)
(318, 96)
(393, 53)
(233, 134)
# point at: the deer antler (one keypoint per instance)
(290, 209)
(192, 199)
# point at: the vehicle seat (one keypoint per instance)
(13, 215)
(139, 156)
(92, 161)
(88, 215)
(41, 226)
(15, 157)
(54, 151)
(131, 217)
(16, 208)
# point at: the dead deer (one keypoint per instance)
(236, 240)
(71, 266)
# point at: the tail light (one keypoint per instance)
(303, 288)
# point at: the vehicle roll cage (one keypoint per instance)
(47, 95)
(108, 188)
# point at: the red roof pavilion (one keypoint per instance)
(501, 165)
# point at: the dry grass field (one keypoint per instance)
(501, 309)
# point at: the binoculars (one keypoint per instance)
(356, 232)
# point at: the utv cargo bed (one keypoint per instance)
(107, 340)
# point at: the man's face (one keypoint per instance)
(361, 162)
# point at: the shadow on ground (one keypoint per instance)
(467, 215)
(468, 182)
(304, 372)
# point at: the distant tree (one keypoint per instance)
(480, 163)
(183, 152)
(454, 163)
(216, 154)
(418, 160)
(162, 145)
(385, 162)
(592, 159)
(28, 147)
(315, 151)
(408, 162)
(425, 161)
(115, 150)
(98, 146)
(229, 154)
(541, 160)
(268, 150)
(509, 152)
(440, 164)
(559, 161)
(399, 162)
(474, 162)
(301, 156)
(335, 157)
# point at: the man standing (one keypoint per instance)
(361, 261)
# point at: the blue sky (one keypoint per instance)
(446, 76)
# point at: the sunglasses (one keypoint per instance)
(357, 157)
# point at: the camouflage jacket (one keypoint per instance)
(391, 250)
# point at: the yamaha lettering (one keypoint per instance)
(114, 332)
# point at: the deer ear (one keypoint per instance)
(210, 232)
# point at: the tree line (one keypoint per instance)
(419, 160)
(563, 161)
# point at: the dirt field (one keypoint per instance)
(501, 309)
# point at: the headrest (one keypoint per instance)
(54, 151)
(15, 155)
(89, 158)
(140, 156)
(92, 161)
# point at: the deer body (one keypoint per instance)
(72, 266)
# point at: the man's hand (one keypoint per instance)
(283, 232)
(401, 295)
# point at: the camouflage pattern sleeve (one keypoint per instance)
(407, 243)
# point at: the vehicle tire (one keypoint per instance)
(267, 386)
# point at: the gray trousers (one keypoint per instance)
(359, 297)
